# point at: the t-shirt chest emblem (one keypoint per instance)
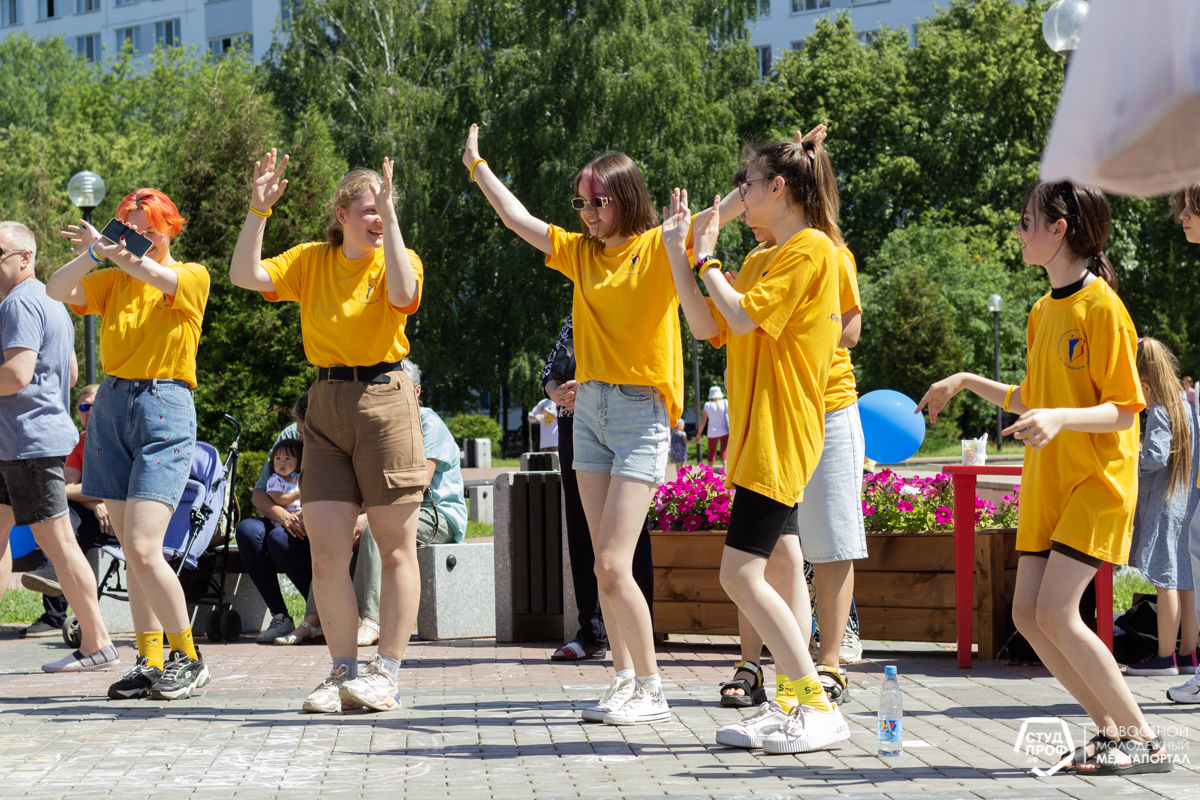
(1073, 350)
(637, 264)
(369, 292)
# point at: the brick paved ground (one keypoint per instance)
(488, 721)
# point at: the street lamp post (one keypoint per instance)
(86, 191)
(1060, 27)
(995, 304)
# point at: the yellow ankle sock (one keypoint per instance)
(785, 695)
(150, 647)
(182, 642)
(810, 691)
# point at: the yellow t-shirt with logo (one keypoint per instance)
(626, 312)
(145, 334)
(842, 391)
(778, 373)
(345, 315)
(1081, 488)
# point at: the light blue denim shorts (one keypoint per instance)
(829, 519)
(140, 439)
(621, 429)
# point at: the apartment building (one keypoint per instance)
(94, 27)
(784, 24)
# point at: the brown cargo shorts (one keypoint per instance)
(363, 443)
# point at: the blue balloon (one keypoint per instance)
(891, 430)
(20, 541)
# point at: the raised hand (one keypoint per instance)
(267, 187)
(675, 222)
(706, 241)
(471, 152)
(816, 135)
(383, 192)
(82, 236)
(938, 395)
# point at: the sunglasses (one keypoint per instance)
(85, 406)
(580, 203)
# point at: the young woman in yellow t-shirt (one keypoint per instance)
(780, 324)
(142, 427)
(363, 447)
(1079, 405)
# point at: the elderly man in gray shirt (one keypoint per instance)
(37, 370)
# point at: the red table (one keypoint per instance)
(965, 480)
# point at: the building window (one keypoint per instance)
(798, 46)
(287, 10)
(764, 9)
(166, 33)
(50, 9)
(124, 2)
(84, 6)
(10, 13)
(867, 37)
(809, 5)
(130, 35)
(224, 44)
(88, 46)
(764, 60)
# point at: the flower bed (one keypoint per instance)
(894, 503)
(696, 500)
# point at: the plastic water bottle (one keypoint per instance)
(891, 715)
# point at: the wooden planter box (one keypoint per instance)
(904, 588)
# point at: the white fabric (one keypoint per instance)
(1129, 114)
(544, 410)
(278, 483)
(718, 418)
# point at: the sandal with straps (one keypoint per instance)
(369, 641)
(753, 694)
(578, 650)
(1079, 761)
(836, 687)
(313, 632)
(1144, 757)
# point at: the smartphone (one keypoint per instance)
(134, 242)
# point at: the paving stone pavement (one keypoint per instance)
(482, 720)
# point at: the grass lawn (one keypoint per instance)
(20, 606)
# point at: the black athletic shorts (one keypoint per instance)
(34, 488)
(756, 522)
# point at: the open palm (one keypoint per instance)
(675, 221)
(268, 186)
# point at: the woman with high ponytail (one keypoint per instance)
(1167, 499)
(1079, 405)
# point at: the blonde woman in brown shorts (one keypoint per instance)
(362, 438)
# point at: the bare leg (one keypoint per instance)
(744, 580)
(835, 588)
(1189, 627)
(5, 559)
(616, 510)
(155, 595)
(785, 573)
(330, 526)
(57, 540)
(395, 532)
(1168, 620)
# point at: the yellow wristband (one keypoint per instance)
(711, 263)
(1008, 397)
(474, 164)
(258, 213)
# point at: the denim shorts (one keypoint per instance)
(622, 430)
(829, 519)
(140, 439)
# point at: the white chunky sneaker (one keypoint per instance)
(1186, 693)
(281, 625)
(807, 729)
(749, 732)
(647, 705)
(326, 698)
(850, 650)
(615, 696)
(374, 688)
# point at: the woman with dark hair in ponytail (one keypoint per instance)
(1079, 407)
(780, 325)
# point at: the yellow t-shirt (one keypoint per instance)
(345, 315)
(626, 312)
(144, 333)
(841, 391)
(1081, 488)
(778, 373)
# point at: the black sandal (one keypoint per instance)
(752, 694)
(1080, 757)
(837, 689)
(1144, 757)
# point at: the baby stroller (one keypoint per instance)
(207, 501)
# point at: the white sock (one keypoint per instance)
(625, 674)
(651, 682)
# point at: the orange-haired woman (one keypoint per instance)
(143, 424)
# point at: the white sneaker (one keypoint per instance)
(851, 649)
(281, 625)
(807, 729)
(1187, 693)
(647, 705)
(749, 732)
(615, 696)
(326, 698)
(374, 688)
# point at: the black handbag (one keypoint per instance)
(562, 368)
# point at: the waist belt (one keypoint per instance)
(376, 373)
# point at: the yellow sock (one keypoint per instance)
(785, 695)
(810, 691)
(150, 647)
(182, 642)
